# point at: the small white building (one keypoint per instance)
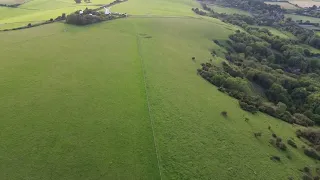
(106, 11)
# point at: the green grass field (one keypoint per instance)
(9, 2)
(283, 5)
(276, 32)
(303, 18)
(121, 100)
(226, 10)
(41, 10)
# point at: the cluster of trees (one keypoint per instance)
(287, 78)
(264, 15)
(90, 16)
(262, 46)
(277, 142)
(282, 69)
(304, 35)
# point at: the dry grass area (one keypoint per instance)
(305, 3)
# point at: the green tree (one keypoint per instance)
(277, 93)
(299, 95)
(281, 108)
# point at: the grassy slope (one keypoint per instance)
(226, 10)
(284, 5)
(83, 115)
(75, 107)
(41, 10)
(304, 18)
(195, 141)
(276, 32)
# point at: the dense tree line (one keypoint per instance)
(10, 5)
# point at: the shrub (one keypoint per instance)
(267, 109)
(237, 84)
(302, 120)
(77, 1)
(277, 143)
(282, 146)
(312, 154)
(275, 158)
(286, 116)
(258, 134)
(272, 142)
(291, 143)
(306, 177)
(248, 107)
(306, 169)
(279, 139)
(289, 157)
(224, 113)
(311, 135)
(274, 135)
(218, 80)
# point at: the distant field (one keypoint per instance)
(226, 10)
(280, 33)
(284, 5)
(9, 2)
(276, 32)
(305, 3)
(41, 10)
(303, 18)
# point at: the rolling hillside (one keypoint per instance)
(122, 100)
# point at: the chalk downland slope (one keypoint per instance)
(122, 100)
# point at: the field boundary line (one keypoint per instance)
(148, 103)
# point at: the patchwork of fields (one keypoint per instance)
(122, 100)
(305, 3)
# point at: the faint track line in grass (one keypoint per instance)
(148, 103)
(179, 17)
